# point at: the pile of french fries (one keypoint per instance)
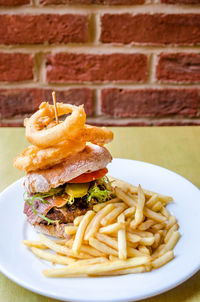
(132, 233)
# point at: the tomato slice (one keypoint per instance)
(87, 177)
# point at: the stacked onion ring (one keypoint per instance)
(51, 142)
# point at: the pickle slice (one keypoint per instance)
(77, 190)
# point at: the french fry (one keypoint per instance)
(96, 268)
(51, 257)
(134, 197)
(170, 231)
(133, 270)
(160, 261)
(102, 247)
(158, 251)
(144, 250)
(36, 244)
(122, 246)
(132, 237)
(133, 190)
(86, 249)
(131, 244)
(112, 228)
(157, 238)
(157, 206)
(61, 241)
(77, 220)
(69, 242)
(171, 221)
(71, 230)
(150, 249)
(60, 249)
(133, 224)
(139, 208)
(112, 242)
(159, 226)
(129, 212)
(146, 225)
(147, 240)
(164, 232)
(152, 201)
(95, 222)
(148, 267)
(164, 198)
(165, 212)
(113, 214)
(172, 241)
(125, 197)
(81, 231)
(140, 233)
(160, 232)
(154, 215)
(128, 221)
(107, 240)
(91, 251)
(133, 252)
(91, 261)
(119, 204)
(113, 258)
(99, 206)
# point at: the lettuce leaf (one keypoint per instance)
(98, 194)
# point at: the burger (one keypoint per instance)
(65, 167)
(55, 196)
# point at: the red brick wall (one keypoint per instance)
(130, 62)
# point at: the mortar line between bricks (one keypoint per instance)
(97, 49)
(98, 29)
(152, 78)
(33, 3)
(96, 107)
(98, 102)
(35, 70)
(43, 69)
(66, 86)
(77, 9)
(149, 67)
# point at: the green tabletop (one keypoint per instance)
(175, 148)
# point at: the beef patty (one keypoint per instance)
(65, 214)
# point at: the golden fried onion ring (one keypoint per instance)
(96, 135)
(40, 137)
(34, 158)
(57, 142)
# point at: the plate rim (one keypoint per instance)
(153, 293)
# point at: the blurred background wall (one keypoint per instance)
(131, 62)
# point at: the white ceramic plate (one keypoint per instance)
(21, 266)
